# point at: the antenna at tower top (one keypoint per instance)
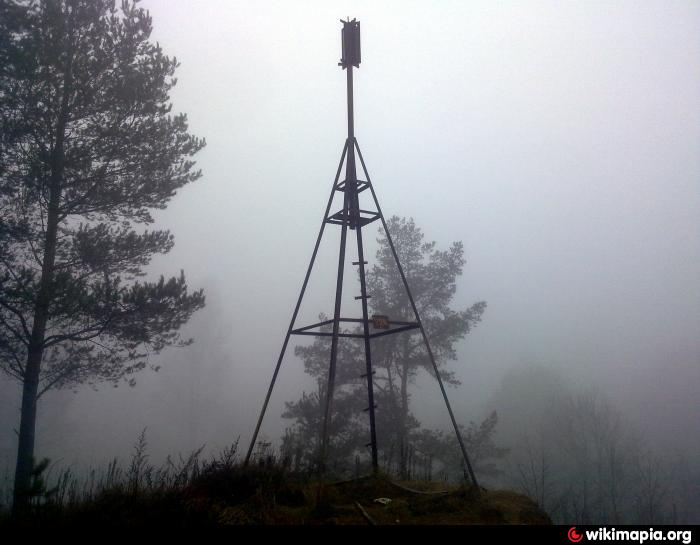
(350, 37)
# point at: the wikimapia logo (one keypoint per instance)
(638, 536)
(574, 536)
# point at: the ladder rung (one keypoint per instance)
(365, 375)
(367, 409)
(363, 297)
(357, 262)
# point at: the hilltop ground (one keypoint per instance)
(235, 496)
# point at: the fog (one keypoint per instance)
(560, 142)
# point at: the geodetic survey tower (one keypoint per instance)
(351, 217)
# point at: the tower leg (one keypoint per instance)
(296, 308)
(334, 340)
(420, 323)
(368, 351)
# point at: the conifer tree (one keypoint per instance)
(397, 359)
(89, 149)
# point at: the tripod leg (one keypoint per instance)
(296, 308)
(325, 432)
(420, 323)
(368, 351)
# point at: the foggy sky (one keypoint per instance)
(560, 141)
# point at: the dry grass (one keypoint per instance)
(193, 493)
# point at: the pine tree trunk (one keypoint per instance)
(35, 353)
(25, 449)
(403, 468)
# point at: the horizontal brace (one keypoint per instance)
(341, 217)
(403, 326)
(367, 408)
(367, 221)
(361, 186)
(325, 334)
(361, 320)
(363, 297)
(319, 324)
(339, 214)
(357, 262)
(365, 375)
(362, 221)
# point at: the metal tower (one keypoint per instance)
(353, 217)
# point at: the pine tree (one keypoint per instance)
(432, 276)
(88, 150)
(397, 359)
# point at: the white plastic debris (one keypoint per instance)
(383, 501)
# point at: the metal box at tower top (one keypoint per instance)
(350, 37)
